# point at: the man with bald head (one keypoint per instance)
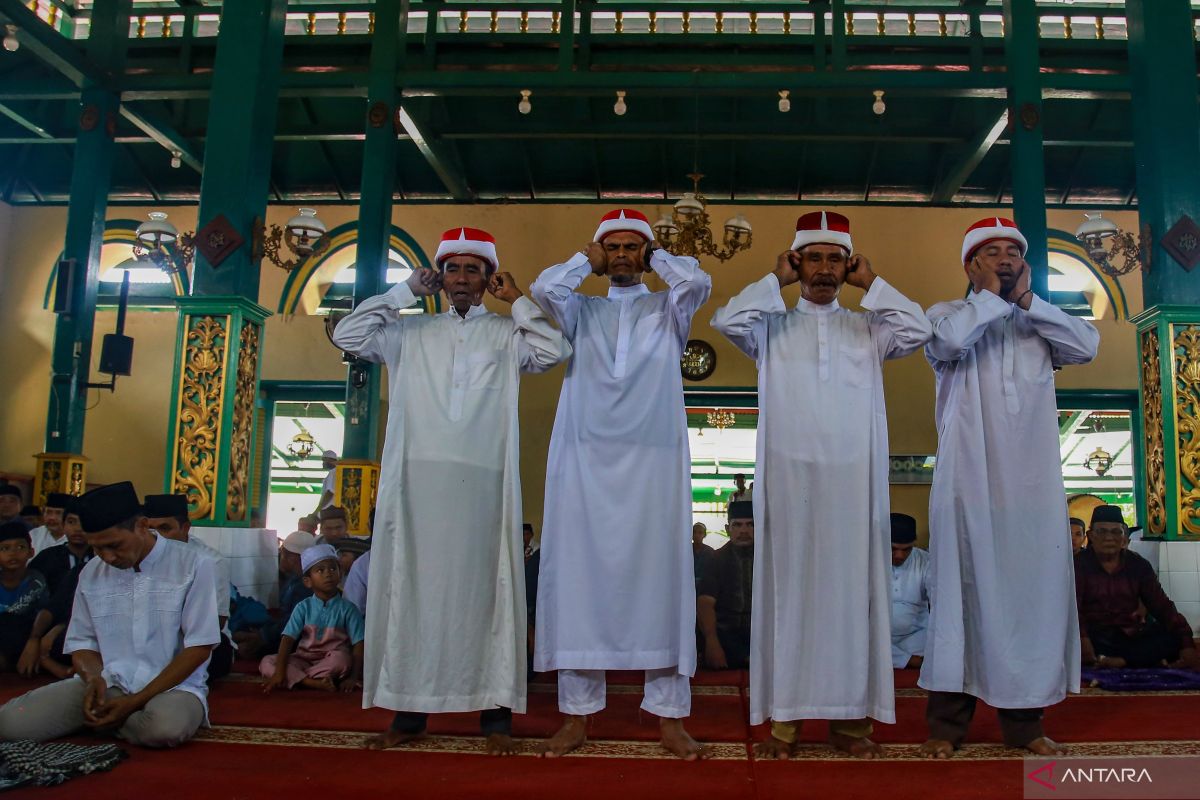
(821, 493)
(617, 587)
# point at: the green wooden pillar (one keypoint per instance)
(1166, 122)
(220, 331)
(1025, 114)
(91, 170)
(360, 449)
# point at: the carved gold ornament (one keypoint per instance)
(237, 490)
(1187, 423)
(198, 422)
(1152, 413)
(352, 493)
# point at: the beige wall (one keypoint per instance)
(916, 249)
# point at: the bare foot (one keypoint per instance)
(501, 744)
(1110, 662)
(389, 739)
(1045, 746)
(937, 748)
(570, 736)
(773, 748)
(320, 684)
(857, 746)
(678, 741)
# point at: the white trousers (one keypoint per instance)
(666, 693)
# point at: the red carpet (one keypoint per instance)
(303, 743)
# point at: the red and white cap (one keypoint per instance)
(988, 230)
(467, 242)
(624, 220)
(823, 227)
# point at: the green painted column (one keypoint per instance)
(91, 171)
(241, 130)
(1166, 124)
(375, 215)
(220, 330)
(1025, 114)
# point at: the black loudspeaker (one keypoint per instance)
(116, 354)
(64, 285)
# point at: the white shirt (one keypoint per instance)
(220, 573)
(355, 589)
(41, 538)
(1003, 624)
(446, 596)
(139, 620)
(327, 486)
(910, 607)
(618, 482)
(821, 503)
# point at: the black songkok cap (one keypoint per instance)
(59, 500)
(10, 488)
(904, 529)
(1107, 514)
(166, 505)
(741, 509)
(102, 508)
(15, 530)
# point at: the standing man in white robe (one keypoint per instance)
(910, 594)
(446, 598)
(1003, 626)
(821, 638)
(617, 589)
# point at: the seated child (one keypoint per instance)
(22, 593)
(327, 626)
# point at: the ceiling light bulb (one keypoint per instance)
(525, 106)
(785, 105)
(176, 159)
(619, 107)
(11, 43)
(879, 106)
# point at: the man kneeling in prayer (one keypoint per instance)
(1110, 582)
(141, 634)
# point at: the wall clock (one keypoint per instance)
(698, 360)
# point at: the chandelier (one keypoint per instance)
(302, 445)
(720, 419)
(1100, 461)
(1105, 243)
(686, 232)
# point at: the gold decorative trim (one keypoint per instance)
(238, 483)
(1152, 416)
(58, 472)
(1186, 384)
(198, 420)
(467, 745)
(718, 751)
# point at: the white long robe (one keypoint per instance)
(820, 631)
(446, 600)
(616, 589)
(1003, 624)
(910, 607)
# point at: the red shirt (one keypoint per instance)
(1111, 600)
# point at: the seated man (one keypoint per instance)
(143, 628)
(1078, 535)
(1110, 581)
(910, 594)
(349, 550)
(22, 593)
(701, 553)
(63, 561)
(50, 531)
(355, 589)
(32, 516)
(335, 525)
(11, 504)
(168, 515)
(723, 598)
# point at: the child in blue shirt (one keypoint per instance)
(329, 630)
